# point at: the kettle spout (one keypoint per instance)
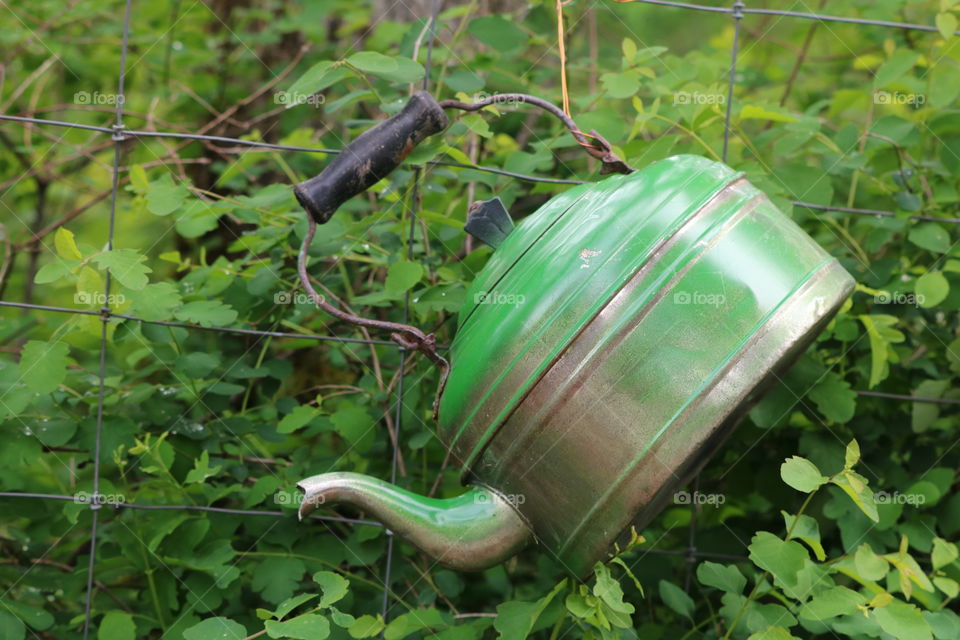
(471, 532)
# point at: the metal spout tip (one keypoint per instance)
(312, 497)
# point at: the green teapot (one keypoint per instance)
(606, 350)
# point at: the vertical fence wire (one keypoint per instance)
(96, 503)
(119, 133)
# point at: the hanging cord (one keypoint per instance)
(406, 336)
(592, 142)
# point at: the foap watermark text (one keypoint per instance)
(699, 298)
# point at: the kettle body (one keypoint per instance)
(605, 351)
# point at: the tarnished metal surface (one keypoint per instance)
(471, 532)
(610, 345)
(557, 285)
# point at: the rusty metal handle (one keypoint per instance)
(371, 156)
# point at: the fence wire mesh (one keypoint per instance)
(119, 133)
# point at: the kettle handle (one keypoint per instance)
(371, 156)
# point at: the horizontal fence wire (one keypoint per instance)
(120, 133)
(99, 499)
(485, 169)
(742, 9)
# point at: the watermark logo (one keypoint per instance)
(913, 499)
(494, 297)
(897, 97)
(685, 497)
(293, 297)
(699, 298)
(698, 97)
(97, 98)
(291, 99)
(295, 498)
(82, 497)
(514, 499)
(98, 298)
(899, 297)
(497, 99)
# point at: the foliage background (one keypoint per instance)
(206, 233)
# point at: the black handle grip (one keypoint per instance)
(374, 154)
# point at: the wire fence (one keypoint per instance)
(120, 134)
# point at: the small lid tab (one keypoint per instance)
(489, 222)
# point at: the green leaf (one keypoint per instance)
(903, 621)
(34, 617)
(216, 629)
(851, 455)
(306, 627)
(66, 245)
(476, 123)
(277, 578)
(11, 627)
(164, 196)
(497, 32)
(932, 289)
(407, 71)
(207, 313)
(515, 620)
(296, 419)
(950, 587)
(51, 272)
(834, 398)
(317, 78)
(621, 85)
(416, 620)
(835, 601)
(674, 597)
(801, 474)
(373, 62)
(155, 301)
(754, 112)
(609, 591)
(945, 624)
(126, 265)
(781, 558)
(335, 587)
(43, 365)
(366, 626)
(882, 335)
(869, 565)
(403, 275)
(138, 179)
(201, 469)
(944, 85)
(117, 625)
(807, 529)
(855, 486)
(895, 68)
(924, 414)
(723, 577)
(930, 236)
(773, 633)
(946, 24)
(944, 553)
(355, 425)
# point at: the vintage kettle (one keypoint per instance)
(605, 351)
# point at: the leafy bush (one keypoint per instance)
(206, 233)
